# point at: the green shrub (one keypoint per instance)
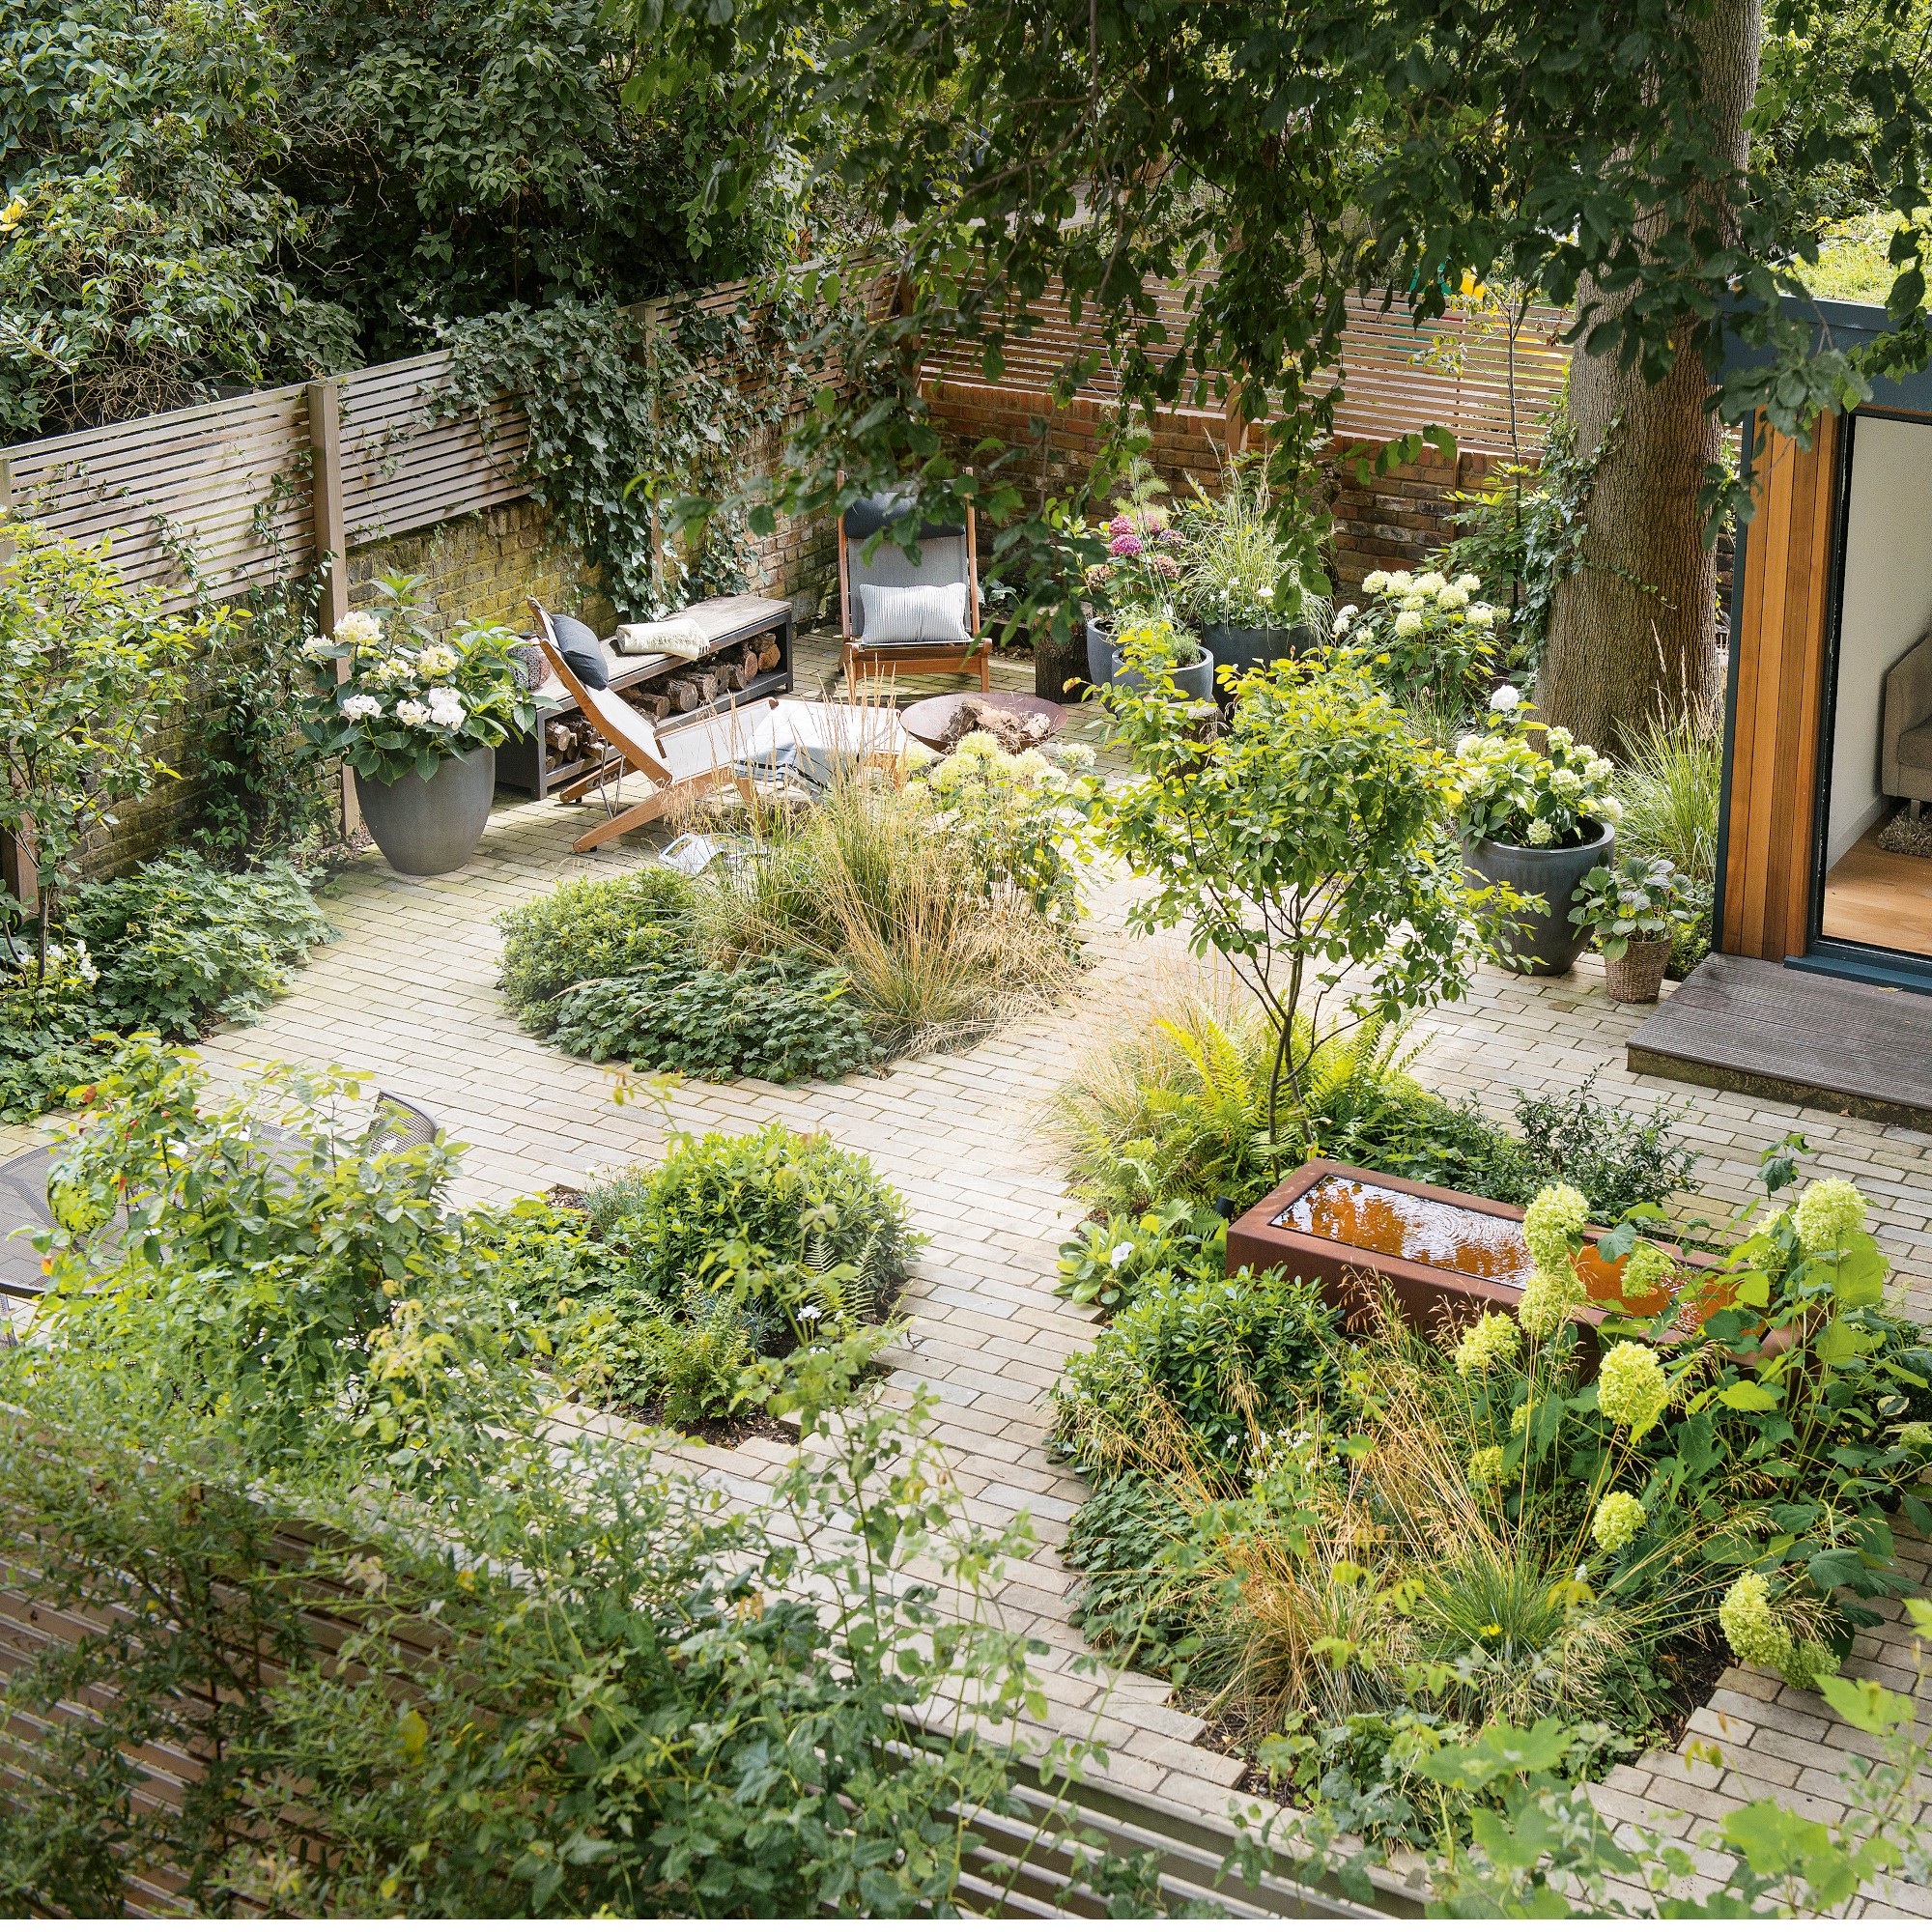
(591, 930)
(1227, 1361)
(1113, 1261)
(773, 1019)
(178, 940)
(773, 1195)
(47, 1028)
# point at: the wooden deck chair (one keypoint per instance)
(678, 764)
(946, 558)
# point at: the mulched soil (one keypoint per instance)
(722, 1433)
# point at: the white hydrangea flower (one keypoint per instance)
(322, 647)
(1376, 582)
(396, 670)
(1559, 738)
(1077, 756)
(362, 706)
(359, 629)
(1468, 583)
(1345, 616)
(1567, 784)
(1414, 601)
(413, 713)
(1540, 832)
(1401, 582)
(1481, 615)
(1466, 742)
(436, 661)
(1609, 810)
(1432, 583)
(1409, 623)
(1507, 699)
(1451, 597)
(445, 709)
(1597, 771)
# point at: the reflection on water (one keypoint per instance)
(1463, 1241)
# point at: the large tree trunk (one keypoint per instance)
(1633, 632)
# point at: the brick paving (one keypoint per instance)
(408, 995)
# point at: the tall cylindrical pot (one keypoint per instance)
(1637, 978)
(1240, 648)
(1099, 653)
(427, 826)
(1195, 680)
(1544, 943)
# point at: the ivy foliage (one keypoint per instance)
(639, 435)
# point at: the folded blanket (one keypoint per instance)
(675, 638)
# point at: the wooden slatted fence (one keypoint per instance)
(1460, 373)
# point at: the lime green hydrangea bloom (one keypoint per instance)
(1811, 1662)
(1548, 1300)
(1494, 1339)
(1915, 1436)
(1829, 1212)
(1618, 1517)
(1631, 1386)
(1486, 1467)
(1551, 1222)
(1646, 1268)
(1751, 1628)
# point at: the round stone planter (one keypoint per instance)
(1546, 944)
(1637, 978)
(1239, 649)
(1195, 679)
(426, 826)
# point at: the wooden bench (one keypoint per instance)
(527, 763)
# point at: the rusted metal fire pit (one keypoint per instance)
(1446, 1257)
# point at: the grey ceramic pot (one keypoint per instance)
(426, 826)
(1546, 944)
(1196, 680)
(1099, 653)
(1239, 649)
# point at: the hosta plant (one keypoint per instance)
(411, 699)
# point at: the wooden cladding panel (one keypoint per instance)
(1780, 659)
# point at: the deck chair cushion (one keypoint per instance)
(916, 614)
(582, 651)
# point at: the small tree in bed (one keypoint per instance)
(1312, 837)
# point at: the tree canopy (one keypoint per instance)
(1303, 150)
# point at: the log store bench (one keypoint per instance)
(750, 657)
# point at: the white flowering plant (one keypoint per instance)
(1516, 795)
(411, 699)
(1421, 633)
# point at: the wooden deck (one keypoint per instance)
(1760, 1028)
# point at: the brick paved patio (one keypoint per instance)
(408, 994)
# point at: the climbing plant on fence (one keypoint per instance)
(627, 416)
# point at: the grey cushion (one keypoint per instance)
(870, 515)
(916, 614)
(581, 652)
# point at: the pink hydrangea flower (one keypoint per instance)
(1167, 566)
(1169, 535)
(1121, 527)
(1154, 518)
(1127, 544)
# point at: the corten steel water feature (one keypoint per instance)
(1446, 1257)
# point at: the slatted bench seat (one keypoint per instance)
(527, 763)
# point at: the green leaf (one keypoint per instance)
(1752, 1398)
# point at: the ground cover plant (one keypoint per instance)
(891, 912)
(1364, 1563)
(512, 1669)
(675, 1288)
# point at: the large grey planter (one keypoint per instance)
(1099, 653)
(1544, 944)
(1239, 648)
(1195, 680)
(426, 826)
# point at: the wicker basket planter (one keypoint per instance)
(1637, 978)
